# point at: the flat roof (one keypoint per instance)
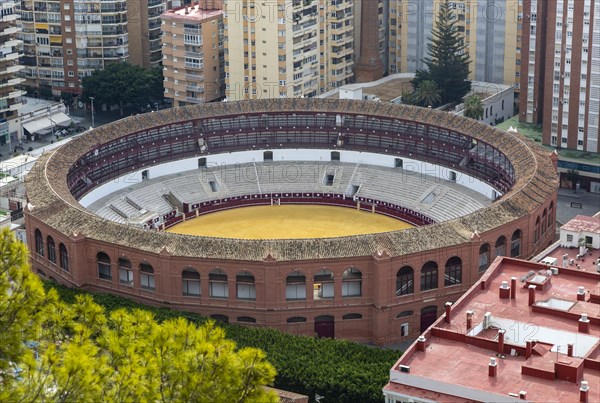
(454, 365)
(583, 223)
(194, 13)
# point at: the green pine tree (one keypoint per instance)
(448, 59)
(51, 351)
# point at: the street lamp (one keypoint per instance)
(92, 99)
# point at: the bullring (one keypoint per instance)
(381, 288)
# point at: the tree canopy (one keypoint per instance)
(448, 59)
(54, 351)
(473, 107)
(122, 84)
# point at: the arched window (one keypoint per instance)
(147, 277)
(103, 266)
(484, 257)
(125, 272)
(218, 286)
(515, 243)
(544, 221)
(352, 316)
(429, 276)
(246, 289)
(550, 223)
(453, 271)
(220, 318)
(190, 280)
(351, 282)
(536, 230)
(501, 246)
(63, 256)
(405, 314)
(295, 286)
(405, 279)
(296, 319)
(51, 249)
(323, 282)
(246, 319)
(39, 243)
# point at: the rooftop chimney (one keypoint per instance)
(584, 324)
(570, 349)
(504, 290)
(528, 348)
(513, 287)
(421, 343)
(501, 341)
(523, 395)
(581, 294)
(492, 367)
(469, 320)
(531, 295)
(583, 392)
(448, 306)
(187, 10)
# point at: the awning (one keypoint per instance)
(45, 124)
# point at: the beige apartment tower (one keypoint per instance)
(143, 26)
(491, 31)
(193, 53)
(282, 48)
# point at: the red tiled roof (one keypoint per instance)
(582, 223)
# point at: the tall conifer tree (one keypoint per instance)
(448, 59)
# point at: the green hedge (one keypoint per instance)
(339, 370)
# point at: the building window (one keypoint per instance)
(147, 277)
(501, 246)
(349, 316)
(125, 272)
(515, 244)
(484, 257)
(190, 281)
(51, 250)
(405, 281)
(429, 276)
(296, 319)
(246, 319)
(64, 257)
(323, 284)
(218, 284)
(295, 286)
(103, 266)
(569, 238)
(39, 243)
(453, 271)
(352, 282)
(246, 289)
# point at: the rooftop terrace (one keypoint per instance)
(541, 327)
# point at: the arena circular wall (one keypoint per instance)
(381, 288)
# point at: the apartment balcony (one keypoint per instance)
(10, 56)
(189, 53)
(194, 100)
(115, 55)
(194, 88)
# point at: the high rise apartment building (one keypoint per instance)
(66, 40)
(193, 53)
(143, 25)
(491, 31)
(10, 50)
(560, 72)
(287, 49)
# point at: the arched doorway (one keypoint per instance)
(325, 326)
(428, 316)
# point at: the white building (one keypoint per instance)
(581, 229)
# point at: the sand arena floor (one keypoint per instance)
(288, 222)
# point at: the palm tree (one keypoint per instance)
(428, 93)
(473, 107)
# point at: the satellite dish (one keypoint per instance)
(80, 104)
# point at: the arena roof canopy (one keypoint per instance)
(519, 169)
